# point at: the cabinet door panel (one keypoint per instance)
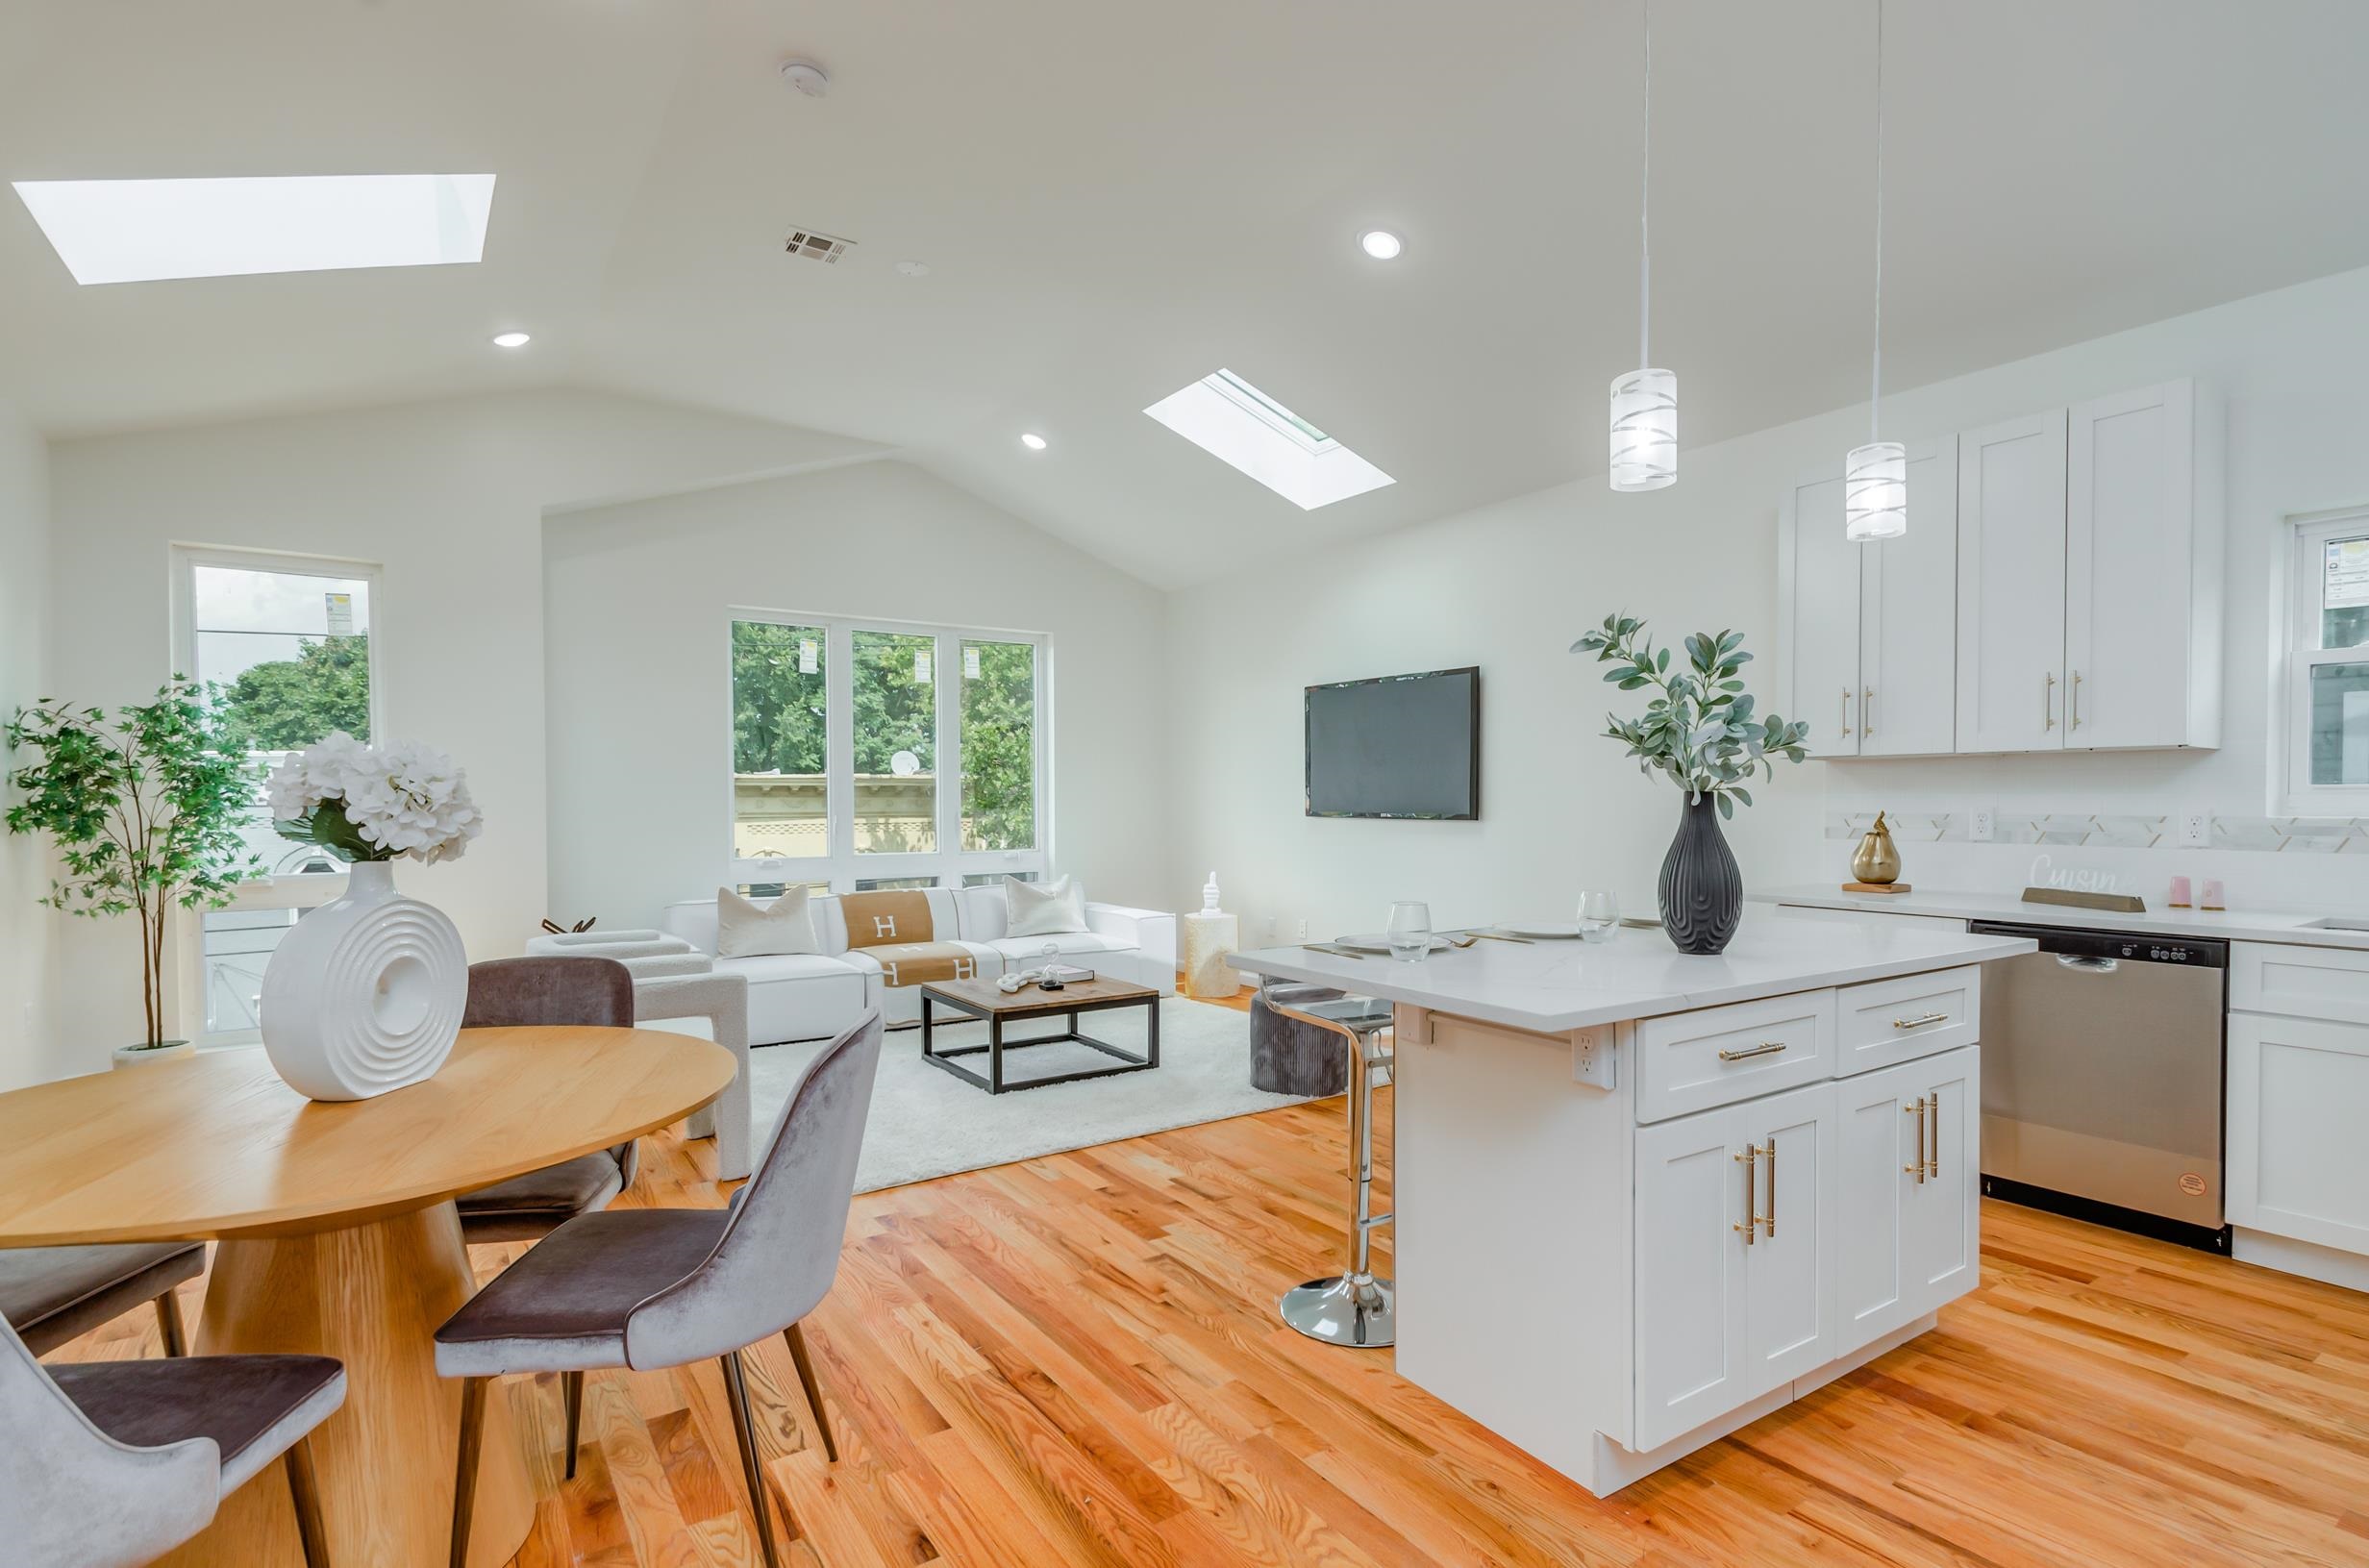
(2298, 1164)
(2010, 586)
(2130, 522)
(1691, 1279)
(1941, 1226)
(1909, 620)
(1818, 607)
(1875, 1135)
(1790, 1289)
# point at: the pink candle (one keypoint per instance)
(2212, 894)
(2179, 893)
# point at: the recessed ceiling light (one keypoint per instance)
(139, 231)
(510, 340)
(1381, 244)
(1032, 440)
(912, 269)
(1228, 417)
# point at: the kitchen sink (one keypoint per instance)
(2339, 922)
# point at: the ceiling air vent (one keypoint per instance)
(816, 247)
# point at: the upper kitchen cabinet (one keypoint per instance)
(2010, 586)
(1867, 635)
(2142, 626)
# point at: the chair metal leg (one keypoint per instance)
(304, 1492)
(464, 1477)
(814, 1389)
(1355, 1307)
(168, 1324)
(736, 1384)
(573, 1382)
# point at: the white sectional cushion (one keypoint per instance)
(774, 969)
(981, 911)
(748, 930)
(1043, 910)
(1027, 951)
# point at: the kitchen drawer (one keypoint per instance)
(1885, 1021)
(2331, 983)
(1692, 1062)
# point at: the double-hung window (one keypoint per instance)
(874, 754)
(2327, 668)
(284, 644)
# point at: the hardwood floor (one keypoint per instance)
(1076, 1360)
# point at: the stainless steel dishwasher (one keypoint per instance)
(2103, 1079)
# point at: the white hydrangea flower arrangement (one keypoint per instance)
(374, 803)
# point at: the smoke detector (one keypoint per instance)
(807, 77)
(816, 247)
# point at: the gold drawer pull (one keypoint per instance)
(1766, 1048)
(1921, 1020)
(1750, 1160)
(1917, 1110)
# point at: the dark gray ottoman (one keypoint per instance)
(1287, 1056)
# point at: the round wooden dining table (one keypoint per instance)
(339, 1237)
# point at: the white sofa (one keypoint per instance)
(816, 996)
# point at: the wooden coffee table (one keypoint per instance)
(982, 1000)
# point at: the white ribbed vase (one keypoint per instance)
(364, 996)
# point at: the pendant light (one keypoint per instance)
(1645, 400)
(1875, 477)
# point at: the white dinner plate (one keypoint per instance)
(1376, 942)
(1543, 930)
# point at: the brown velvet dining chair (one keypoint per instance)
(109, 1464)
(582, 992)
(50, 1295)
(651, 1289)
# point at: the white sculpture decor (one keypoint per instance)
(365, 995)
(1210, 935)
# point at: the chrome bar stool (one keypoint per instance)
(1355, 1307)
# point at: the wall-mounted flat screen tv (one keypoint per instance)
(1400, 746)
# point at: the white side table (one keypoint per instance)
(1208, 939)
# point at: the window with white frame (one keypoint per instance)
(283, 645)
(2327, 668)
(869, 754)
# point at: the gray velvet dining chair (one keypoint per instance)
(50, 1295)
(650, 1288)
(510, 993)
(109, 1464)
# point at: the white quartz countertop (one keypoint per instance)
(2229, 924)
(1552, 987)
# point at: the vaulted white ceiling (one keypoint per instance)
(1114, 199)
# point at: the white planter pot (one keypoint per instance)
(364, 996)
(144, 1055)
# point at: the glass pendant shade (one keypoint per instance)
(1644, 430)
(1875, 492)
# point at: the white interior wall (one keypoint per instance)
(641, 788)
(1508, 587)
(29, 1050)
(448, 498)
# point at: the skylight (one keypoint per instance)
(138, 231)
(1228, 417)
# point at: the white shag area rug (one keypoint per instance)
(926, 1122)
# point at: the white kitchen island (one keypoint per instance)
(1643, 1199)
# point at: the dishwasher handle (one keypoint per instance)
(2088, 965)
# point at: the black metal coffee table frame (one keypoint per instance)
(996, 1045)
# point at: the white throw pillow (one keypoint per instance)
(1050, 908)
(750, 931)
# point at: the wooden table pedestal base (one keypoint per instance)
(372, 1296)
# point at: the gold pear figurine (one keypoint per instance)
(1875, 860)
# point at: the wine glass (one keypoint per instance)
(1599, 916)
(1409, 931)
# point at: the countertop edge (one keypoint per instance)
(2232, 926)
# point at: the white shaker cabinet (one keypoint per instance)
(2143, 570)
(1868, 631)
(1906, 1222)
(2010, 586)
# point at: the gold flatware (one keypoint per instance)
(1501, 937)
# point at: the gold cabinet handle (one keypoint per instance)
(1766, 1048)
(1920, 1020)
(1917, 1170)
(1846, 711)
(1932, 1161)
(2048, 703)
(1867, 710)
(2073, 708)
(1751, 1161)
(1770, 1220)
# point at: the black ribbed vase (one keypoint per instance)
(1702, 890)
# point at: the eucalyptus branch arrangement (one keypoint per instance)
(1703, 729)
(145, 810)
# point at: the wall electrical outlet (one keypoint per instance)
(1982, 825)
(1303, 931)
(2196, 830)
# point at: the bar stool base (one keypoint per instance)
(1339, 1311)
